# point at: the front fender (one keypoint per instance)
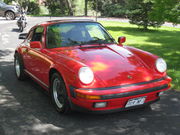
(69, 69)
(147, 58)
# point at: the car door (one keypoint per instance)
(25, 47)
(36, 61)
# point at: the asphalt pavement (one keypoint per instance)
(25, 109)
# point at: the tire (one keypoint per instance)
(59, 94)
(21, 28)
(10, 15)
(19, 67)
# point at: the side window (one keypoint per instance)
(29, 36)
(53, 37)
(37, 35)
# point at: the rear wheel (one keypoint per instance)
(59, 94)
(19, 67)
(10, 15)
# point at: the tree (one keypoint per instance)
(139, 11)
(100, 4)
(69, 7)
(115, 9)
(85, 7)
(174, 15)
(60, 7)
(166, 10)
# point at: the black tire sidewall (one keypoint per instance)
(22, 75)
(65, 108)
(21, 29)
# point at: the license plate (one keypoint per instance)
(135, 101)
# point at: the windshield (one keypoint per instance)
(2, 3)
(81, 33)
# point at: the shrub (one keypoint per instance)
(33, 7)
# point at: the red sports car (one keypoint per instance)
(84, 68)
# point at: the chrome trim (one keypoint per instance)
(36, 78)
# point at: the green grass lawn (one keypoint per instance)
(164, 42)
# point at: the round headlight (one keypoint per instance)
(86, 75)
(161, 65)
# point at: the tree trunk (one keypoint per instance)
(62, 6)
(85, 7)
(69, 6)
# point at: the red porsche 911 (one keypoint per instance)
(84, 68)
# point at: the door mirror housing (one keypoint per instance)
(121, 40)
(23, 36)
(36, 44)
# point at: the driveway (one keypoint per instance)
(26, 110)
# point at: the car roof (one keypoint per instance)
(65, 21)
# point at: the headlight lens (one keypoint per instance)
(161, 65)
(86, 75)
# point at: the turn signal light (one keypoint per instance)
(169, 84)
(87, 96)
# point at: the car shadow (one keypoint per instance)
(25, 106)
(15, 30)
(5, 53)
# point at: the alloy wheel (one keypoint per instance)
(57, 93)
(17, 67)
(9, 15)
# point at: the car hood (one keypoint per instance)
(112, 64)
(12, 7)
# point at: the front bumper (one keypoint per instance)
(118, 96)
(103, 111)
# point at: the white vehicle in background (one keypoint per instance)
(10, 12)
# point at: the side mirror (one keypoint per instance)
(121, 40)
(35, 44)
(23, 36)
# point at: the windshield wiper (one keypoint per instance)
(99, 41)
(73, 42)
(95, 41)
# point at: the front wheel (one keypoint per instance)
(59, 94)
(19, 67)
(10, 15)
(21, 28)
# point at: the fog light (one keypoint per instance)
(100, 104)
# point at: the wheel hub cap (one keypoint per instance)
(56, 94)
(17, 68)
